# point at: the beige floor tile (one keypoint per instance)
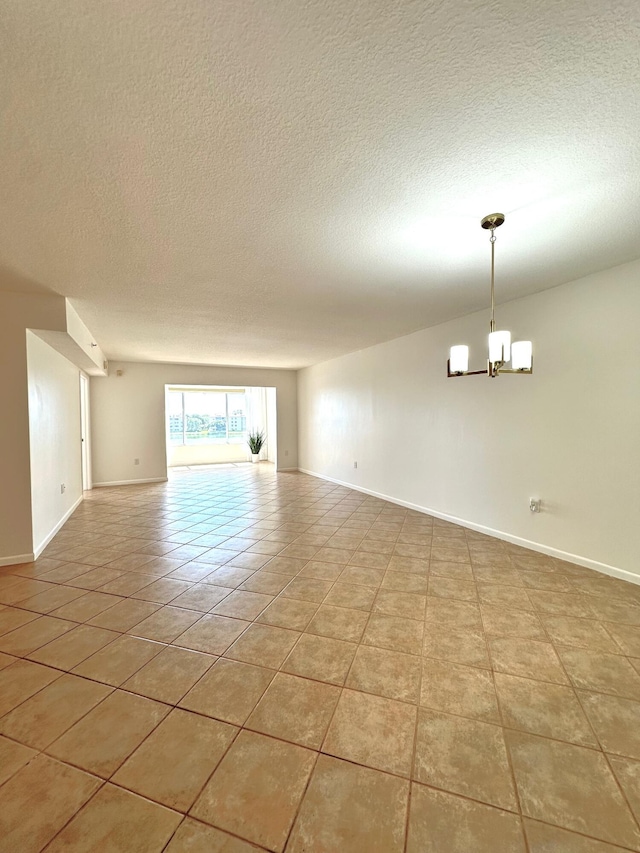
(116, 820)
(202, 597)
(212, 634)
(395, 633)
(38, 801)
(383, 672)
(465, 757)
(374, 731)
(469, 648)
(445, 587)
(229, 691)
(627, 772)
(289, 566)
(102, 740)
(288, 613)
(547, 580)
(45, 602)
(351, 595)
(256, 790)
(12, 617)
(541, 708)
(501, 622)
(295, 709)
(124, 615)
(583, 633)
(174, 762)
(458, 689)
(455, 571)
(627, 637)
(408, 565)
(612, 610)
(404, 604)
(339, 623)
(163, 590)
(165, 624)
(543, 838)
(72, 648)
(528, 658)
(615, 720)
(307, 589)
(440, 822)
(169, 675)
(572, 787)
(592, 670)
(350, 809)
(361, 576)
(41, 719)
(95, 578)
(13, 756)
(22, 679)
(127, 583)
(453, 615)
(116, 662)
(509, 597)
(243, 605)
(561, 603)
(6, 660)
(86, 607)
(27, 638)
(321, 658)
(405, 582)
(263, 645)
(194, 837)
(323, 571)
(266, 582)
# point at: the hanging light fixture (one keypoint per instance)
(501, 350)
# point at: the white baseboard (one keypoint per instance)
(130, 482)
(604, 568)
(16, 558)
(40, 548)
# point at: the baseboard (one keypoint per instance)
(604, 568)
(130, 482)
(284, 470)
(16, 559)
(40, 548)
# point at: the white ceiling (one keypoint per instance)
(276, 182)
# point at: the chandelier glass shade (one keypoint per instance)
(501, 349)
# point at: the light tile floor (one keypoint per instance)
(236, 660)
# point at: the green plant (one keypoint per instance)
(255, 441)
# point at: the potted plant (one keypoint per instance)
(255, 442)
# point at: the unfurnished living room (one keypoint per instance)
(319, 436)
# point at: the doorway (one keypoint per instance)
(85, 433)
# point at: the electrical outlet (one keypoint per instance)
(355, 464)
(136, 461)
(63, 488)
(534, 504)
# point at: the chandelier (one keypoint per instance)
(501, 350)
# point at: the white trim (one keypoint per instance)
(131, 482)
(40, 548)
(17, 558)
(604, 568)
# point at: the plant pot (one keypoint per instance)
(255, 457)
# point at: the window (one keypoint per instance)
(207, 417)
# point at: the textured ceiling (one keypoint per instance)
(276, 183)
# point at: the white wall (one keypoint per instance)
(477, 448)
(128, 414)
(17, 313)
(55, 438)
